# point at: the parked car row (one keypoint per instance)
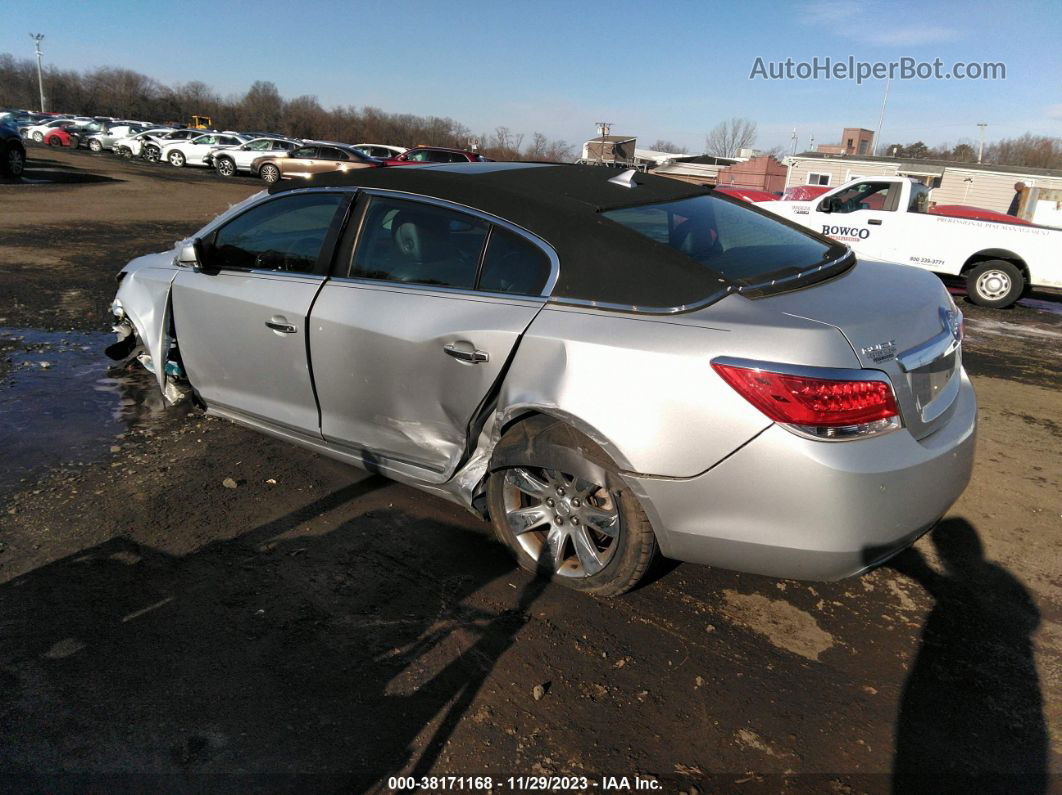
(267, 155)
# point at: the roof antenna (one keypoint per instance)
(626, 179)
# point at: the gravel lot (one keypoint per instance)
(317, 622)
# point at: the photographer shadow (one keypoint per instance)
(971, 712)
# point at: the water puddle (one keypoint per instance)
(62, 402)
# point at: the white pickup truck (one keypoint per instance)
(885, 219)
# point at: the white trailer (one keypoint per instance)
(885, 219)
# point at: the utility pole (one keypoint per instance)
(37, 39)
(811, 143)
(793, 138)
(603, 128)
(881, 118)
(981, 148)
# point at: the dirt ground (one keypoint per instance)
(315, 626)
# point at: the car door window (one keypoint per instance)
(257, 146)
(865, 196)
(306, 152)
(282, 146)
(280, 235)
(331, 153)
(406, 241)
(513, 264)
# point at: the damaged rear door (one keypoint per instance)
(417, 326)
(240, 316)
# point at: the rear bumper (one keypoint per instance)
(785, 506)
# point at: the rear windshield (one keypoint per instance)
(732, 241)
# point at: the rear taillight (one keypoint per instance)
(823, 408)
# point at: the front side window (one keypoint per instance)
(404, 241)
(284, 234)
(205, 139)
(305, 152)
(257, 146)
(283, 146)
(864, 196)
(728, 240)
(331, 153)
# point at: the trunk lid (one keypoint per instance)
(899, 320)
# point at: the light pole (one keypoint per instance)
(981, 146)
(881, 118)
(37, 39)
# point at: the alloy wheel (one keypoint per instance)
(226, 167)
(16, 163)
(570, 525)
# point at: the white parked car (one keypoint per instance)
(381, 151)
(38, 131)
(194, 151)
(133, 144)
(229, 160)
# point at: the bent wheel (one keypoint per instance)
(585, 531)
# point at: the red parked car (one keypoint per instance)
(435, 154)
(62, 136)
(804, 193)
(747, 195)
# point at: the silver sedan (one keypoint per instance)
(607, 366)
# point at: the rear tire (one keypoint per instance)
(269, 173)
(995, 284)
(95, 146)
(38, 137)
(54, 140)
(588, 536)
(152, 154)
(176, 159)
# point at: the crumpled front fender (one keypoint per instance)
(144, 296)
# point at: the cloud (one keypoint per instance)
(875, 24)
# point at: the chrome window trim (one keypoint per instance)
(531, 237)
(444, 292)
(642, 310)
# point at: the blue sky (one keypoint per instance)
(558, 67)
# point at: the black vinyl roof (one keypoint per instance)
(600, 260)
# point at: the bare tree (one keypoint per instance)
(661, 145)
(728, 138)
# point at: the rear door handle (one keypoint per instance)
(283, 328)
(875, 221)
(465, 352)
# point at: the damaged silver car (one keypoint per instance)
(605, 366)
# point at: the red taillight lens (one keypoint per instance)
(815, 402)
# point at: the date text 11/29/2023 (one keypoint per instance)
(523, 783)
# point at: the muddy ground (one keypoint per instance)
(317, 626)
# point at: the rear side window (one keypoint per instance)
(735, 242)
(513, 264)
(405, 241)
(284, 234)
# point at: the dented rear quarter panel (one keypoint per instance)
(643, 387)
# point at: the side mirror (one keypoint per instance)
(829, 205)
(191, 254)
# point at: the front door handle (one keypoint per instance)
(465, 352)
(283, 328)
(875, 221)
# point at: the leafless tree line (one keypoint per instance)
(1033, 151)
(127, 94)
